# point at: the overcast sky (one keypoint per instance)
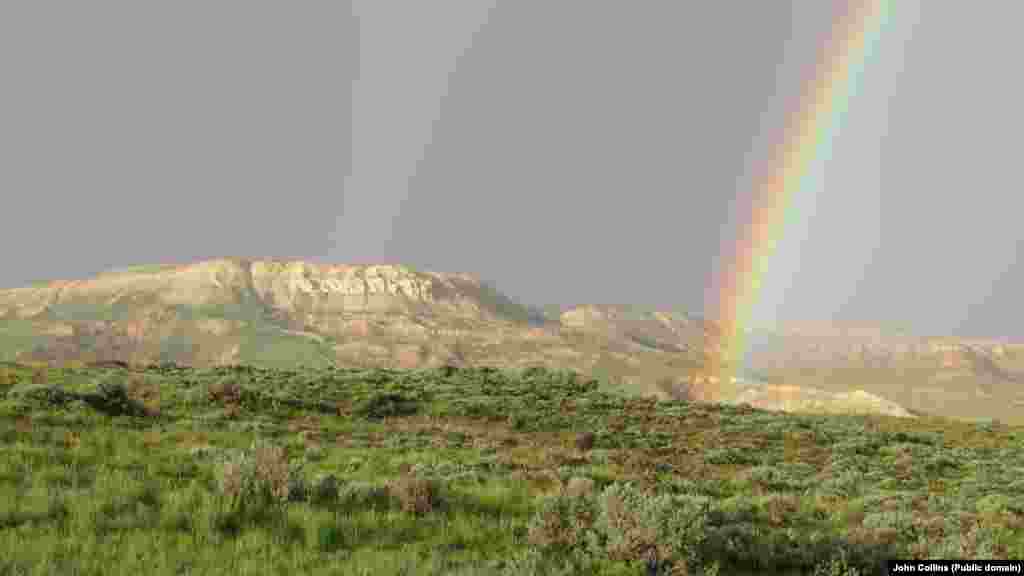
(570, 151)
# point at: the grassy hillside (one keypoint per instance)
(278, 314)
(233, 470)
(16, 337)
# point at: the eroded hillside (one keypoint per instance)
(274, 313)
(282, 313)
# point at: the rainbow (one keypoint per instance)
(807, 138)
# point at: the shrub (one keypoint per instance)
(384, 404)
(639, 526)
(261, 474)
(227, 392)
(145, 393)
(518, 421)
(837, 566)
(324, 489)
(364, 495)
(40, 375)
(623, 526)
(579, 487)
(416, 495)
(43, 393)
(112, 397)
(562, 523)
(315, 453)
(585, 441)
(298, 490)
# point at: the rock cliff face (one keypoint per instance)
(284, 286)
(368, 289)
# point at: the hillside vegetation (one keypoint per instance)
(447, 470)
(277, 314)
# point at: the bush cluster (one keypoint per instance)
(416, 495)
(260, 475)
(621, 524)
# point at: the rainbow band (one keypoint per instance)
(808, 137)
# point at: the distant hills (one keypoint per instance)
(282, 313)
(275, 313)
(956, 377)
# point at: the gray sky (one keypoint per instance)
(570, 151)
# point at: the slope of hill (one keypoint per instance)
(273, 313)
(277, 313)
(231, 470)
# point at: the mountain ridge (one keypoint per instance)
(278, 312)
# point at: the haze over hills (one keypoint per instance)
(969, 378)
(279, 313)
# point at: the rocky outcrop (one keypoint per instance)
(325, 289)
(290, 288)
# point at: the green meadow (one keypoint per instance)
(169, 470)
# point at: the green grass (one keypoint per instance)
(16, 336)
(271, 347)
(237, 470)
(95, 311)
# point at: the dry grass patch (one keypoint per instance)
(309, 430)
(304, 423)
(72, 440)
(781, 508)
(585, 441)
(144, 392)
(40, 375)
(23, 424)
(191, 439)
(271, 464)
(904, 465)
(225, 392)
(151, 439)
(262, 471)
(578, 487)
(932, 526)
(544, 481)
(7, 377)
(417, 496)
